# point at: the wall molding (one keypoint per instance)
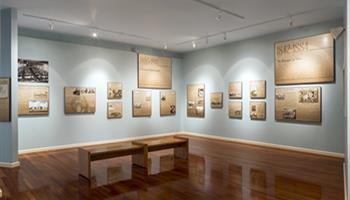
(9, 165)
(268, 145)
(185, 133)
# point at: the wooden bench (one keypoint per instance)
(101, 152)
(179, 144)
(137, 149)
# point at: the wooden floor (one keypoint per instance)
(215, 170)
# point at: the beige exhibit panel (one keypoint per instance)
(306, 60)
(196, 100)
(257, 110)
(216, 100)
(114, 90)
(302, 104)
(33, 100)
(235, 109)
(154, 72)
(79, 100)
(114, 110)
(257, 89)
(5, 102)
(167, 103)
(141, 103)
(235, 90)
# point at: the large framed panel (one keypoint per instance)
(301, 104)
(257, 110)
(115, 90)
(257, 89)
(196, 100)
(79, 100)
(5, 99)
(114, 110)
(33, 100)
(33, 71)
(235, 109)
(235, 90)
(141, 103)
(167, 103)
(154, 72)
(305, 60)
(216, 100)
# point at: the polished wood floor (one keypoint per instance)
(215, 170)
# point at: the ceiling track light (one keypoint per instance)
(291, 22)
(51, 26)
(194, 44)
(207, 40)
(94, 35)
(219, 16)
(165, 47)
(225, 36)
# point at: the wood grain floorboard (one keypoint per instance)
(215, 170)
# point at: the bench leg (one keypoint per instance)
(141, 158)
(181, 152)
(84, 164)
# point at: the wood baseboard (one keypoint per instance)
(9, 165)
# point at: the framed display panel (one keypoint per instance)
(114, 110)
(141, 103)
(257, 89)
(257, 110)
(216, 100)
(196, 100)
(305, 60)
(33, 100)
(167, 103)
(33, 71)
(235, 90)
(115, 90)
(302, 104)
(235, 109)
(79, 100)
(5, 99)
(154, 72)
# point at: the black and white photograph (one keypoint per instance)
(33, 71)
(38, 106)
(309, 95)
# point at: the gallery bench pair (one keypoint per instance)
(138, 149)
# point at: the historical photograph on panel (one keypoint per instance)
(216, 100)
(167, 103)
(79, 100)
(306, 60)
(257, 110)
(5, 108)
(141, 103)
(115, 90)
(33, 71)
(257, 89)
(235, 109)
(33, 100)
(235, 90)
(114, 110)
(154, 72)
(298, 104)
(196, 100)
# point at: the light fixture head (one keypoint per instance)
(207, 40)
(51, 26)
(165, 47)
(219, 16)
(291, 22)
(194, 44)
(225, 36)
(94, 35)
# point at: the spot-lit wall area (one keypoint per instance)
(253, 59)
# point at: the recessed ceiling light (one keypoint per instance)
(94, 35)
(194, 44)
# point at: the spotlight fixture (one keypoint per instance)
(219, 16)
(94, 35)
(207, 40)
(194, 44)
(165, 47)
(51, 26)
(291, 22)
(225, 36)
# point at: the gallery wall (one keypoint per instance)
(88, 66)
(253, 59)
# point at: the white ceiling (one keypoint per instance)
(173, 22)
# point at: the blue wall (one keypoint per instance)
(253, 59)
(80, 65)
